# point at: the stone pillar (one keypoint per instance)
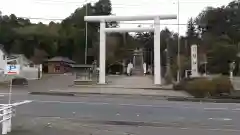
(157, 60)
(102, 61)
(194, 61)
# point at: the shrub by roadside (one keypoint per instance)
(204, 87)
(200, 88)
(223, 85)
(181, 86)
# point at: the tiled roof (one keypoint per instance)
(61, 59)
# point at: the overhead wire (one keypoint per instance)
(114, 6)
(46, 2)
(130, 23)
(118, 5)
(139, 1)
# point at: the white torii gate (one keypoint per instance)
(104, 30)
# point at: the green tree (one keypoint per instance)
(192, 35)
(102, 7)
(221, 54)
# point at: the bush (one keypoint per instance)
(200, 88)
(223, 85)
(182, 84)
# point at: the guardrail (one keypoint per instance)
(6, 114)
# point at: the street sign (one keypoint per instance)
(12, 69)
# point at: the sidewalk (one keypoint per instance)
(117, 85)
(123, 91)
(128, 82)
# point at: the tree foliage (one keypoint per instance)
(67, 38)
(216, 31)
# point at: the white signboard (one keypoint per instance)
(12, 69)
(194, 61)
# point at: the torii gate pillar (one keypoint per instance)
(102, 58)
(157, 55)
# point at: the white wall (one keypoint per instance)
(2, 61)
(29, 73)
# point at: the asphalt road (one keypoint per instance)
(105, 115)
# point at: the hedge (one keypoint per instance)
(203, 87)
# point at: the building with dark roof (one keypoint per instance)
(59, 65)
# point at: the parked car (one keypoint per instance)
(19, 81)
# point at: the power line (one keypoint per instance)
(60, 19)
(82, 4)
(41, 18)
(139, 1)
(142, 3)
(130, 23)
(86, 1)
(62, 2)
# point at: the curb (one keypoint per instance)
(116, 87)
(205, 100)
(52, 93)
(97, 93)
(168, 98)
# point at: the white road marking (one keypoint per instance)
(101, 103)
(4, 93)
(220, 119)
(105, 103)
(190, 128)
(205, 129)
(66, 102)
(215, 108)
(138, 105)
(236, 109)
(118, 114)
(181, 118)
(184, 128)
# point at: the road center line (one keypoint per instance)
(65, 102)
(215, 108)
(236, 109)
(220, 119)
(105, 103)
(136, 105)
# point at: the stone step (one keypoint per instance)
(84, 82)
(137, 72)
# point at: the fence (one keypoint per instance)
(6, 114)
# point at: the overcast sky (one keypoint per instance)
(63, 8)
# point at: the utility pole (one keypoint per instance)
(168, 74)
(178, 55)
(124, 39)
(86, 35)
(186, 47)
